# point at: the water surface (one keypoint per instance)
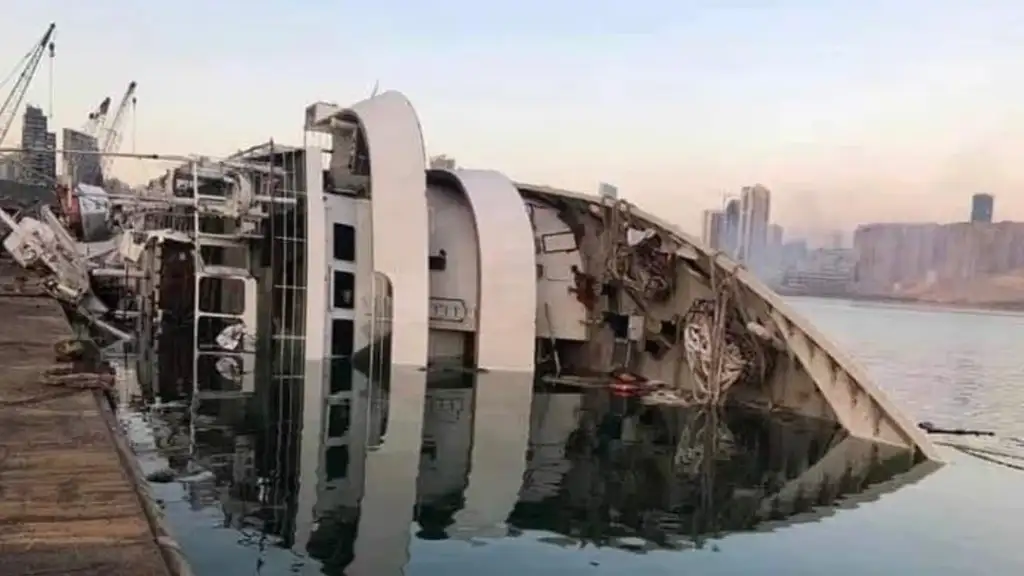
(609, 485)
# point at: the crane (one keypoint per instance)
(96, 119)
(28, 65)
(77, 167)
(112, 142)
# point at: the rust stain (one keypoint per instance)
(585, 288)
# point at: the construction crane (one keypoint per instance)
(28, 66)
(76, 167)
(114, 136)
(96, 119)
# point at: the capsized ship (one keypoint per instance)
(356, 252)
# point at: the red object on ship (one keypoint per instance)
(70, 208)
(628, 384)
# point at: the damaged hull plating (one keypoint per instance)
(783, 362)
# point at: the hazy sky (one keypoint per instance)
(848, 111)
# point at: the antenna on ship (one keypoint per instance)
(376, 88)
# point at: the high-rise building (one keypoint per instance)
(713, 229)
(836, 240)
(982, 207)
(775, 233)
(40, 162)
(755, 210)
(731, 234)
(82, 168)
(10, 169)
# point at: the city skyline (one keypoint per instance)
(898, 110)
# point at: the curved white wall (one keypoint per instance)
(507, 308)
(454, 290)
(400, 223)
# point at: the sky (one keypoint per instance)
(850, 112)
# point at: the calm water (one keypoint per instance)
(604, 488)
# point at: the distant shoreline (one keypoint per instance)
(1011, 306)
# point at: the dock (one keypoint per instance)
(71, 499)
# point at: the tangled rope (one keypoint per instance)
(643, 269)
(704, 437)
(713, 353)
(714, 358)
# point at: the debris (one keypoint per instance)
(162, 476)
(69, 350)
(626, 383)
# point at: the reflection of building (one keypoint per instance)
(982, 207)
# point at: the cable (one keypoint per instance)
(52, 54)
(987, 454)
(135, 123)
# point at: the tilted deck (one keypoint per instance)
(69, 503)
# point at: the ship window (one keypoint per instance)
(342, 337)
(440, 262)
(344, 290)
(344, 243)
(336, 462)
(341, 375)
(209, 327)
(338, 420)
(221, 295)
(219, 373)
(225, 256)
(342, 342)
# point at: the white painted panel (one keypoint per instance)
(447, 346)
(506, 314)
(559, 242)
(364, 273)
(400, 223)
(559, 313)
(315, 347)
(454, 290)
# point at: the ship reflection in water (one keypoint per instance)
(597, 470)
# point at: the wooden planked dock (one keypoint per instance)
(69, 500)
